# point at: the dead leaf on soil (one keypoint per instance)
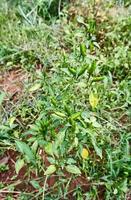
(11, 82)
(4, 160)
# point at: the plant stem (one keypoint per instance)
(59, 7)
(43, 197)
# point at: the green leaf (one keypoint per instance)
(71, 161)
(20, 146)
(92, 68)
(97, 149)
(11, 121)
(49, 148)
(34, 146)
(59, 114)
(93, 99)
(80, 20)
(18, 165)
(100, 78)
(72, 70)
(83, 49)
(25, 149)
(124, 186)
(76, 141)
(75, 115)
(2, 96)
(35, 184)
(50, 170)
(35, 87)
(82, 70)
(60, 138)
(73, 169)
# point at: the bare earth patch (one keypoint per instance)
(21, 181)
(11, 82)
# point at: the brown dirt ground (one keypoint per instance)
(22, 180)
(12, 82)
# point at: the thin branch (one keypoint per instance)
(43, 197)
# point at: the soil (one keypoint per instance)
(11, 82)
(124, 119)
(21, 181)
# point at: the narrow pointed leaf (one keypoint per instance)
(18, 165)
(35, 87)
(50, 170)
(93, 99)
(25, 149)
